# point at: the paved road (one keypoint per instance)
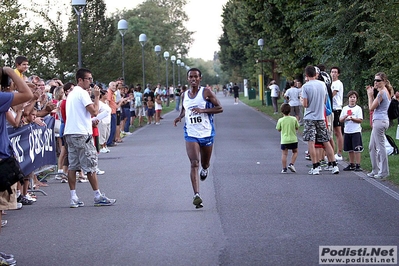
(253, 215)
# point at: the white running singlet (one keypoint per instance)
(197, 125)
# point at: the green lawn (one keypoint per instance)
(365, 161)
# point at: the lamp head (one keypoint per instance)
(78, 3)
(166, 55)
(142, 39)
(157, 49)
(173, 59)
(261, 43)
(122, 26)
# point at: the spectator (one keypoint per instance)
(378, 104)
(352, 116)
(288, 127)
(78, 135)
(8, 99)
(292, 96)
(275, 94)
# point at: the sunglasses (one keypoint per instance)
(377, 80)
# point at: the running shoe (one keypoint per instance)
(335, 170)
(328, 168)
(349, 168)
(75, 203)
(284, 171)
(197, 201)
(338, 157)
(314, 171)
(292, 168)
(203, 174)
(103, 201)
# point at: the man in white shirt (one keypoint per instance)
(78, 135)
(338, 96)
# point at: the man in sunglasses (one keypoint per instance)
(82, 155)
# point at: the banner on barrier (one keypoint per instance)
(34, 146)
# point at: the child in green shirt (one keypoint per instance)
(288, 126)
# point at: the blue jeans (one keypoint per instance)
(113, 130)
(177, 99)
(126, 117)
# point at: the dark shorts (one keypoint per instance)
(315, 130)
(118, 118)
(150, 112)
(337, 114)
(132, 113)
(236, 95)
(353, 142)
(125, 113)
(289, 146)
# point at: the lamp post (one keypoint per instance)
(143, 40)
(261, 82)
(173, 60)
(122, 27)
(166, 56)
(79, 6)
(178, 71)
(182, 65)
(157, 50)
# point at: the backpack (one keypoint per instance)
(393, 109)
(10, 173)
(393, 144)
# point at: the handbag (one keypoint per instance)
(10, 173)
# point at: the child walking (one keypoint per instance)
(352, 115)
(288, 126)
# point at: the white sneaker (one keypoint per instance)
(328, 168)
(75, 203)
(335, 170)
(314, 171)
(108, 150)
(104, 150)
(292, 168)
(100, 172)
(371, 174)
(128, 133)
(28, 197)
(19, 205)
(338, 157)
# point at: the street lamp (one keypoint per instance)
(173, 60)
(157, 50)
(143, 40)
(261, 82)
(182, 65)
(122, 27)
(166, 56)
(79, 6)
(178, 70)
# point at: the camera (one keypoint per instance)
(5, 80)
(92, 85)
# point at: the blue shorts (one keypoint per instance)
(208, 141)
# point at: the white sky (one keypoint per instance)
(204, 19)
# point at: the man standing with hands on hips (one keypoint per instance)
(199, 106)
(78, 135)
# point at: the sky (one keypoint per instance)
(204, 19)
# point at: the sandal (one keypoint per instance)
(118, 141)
